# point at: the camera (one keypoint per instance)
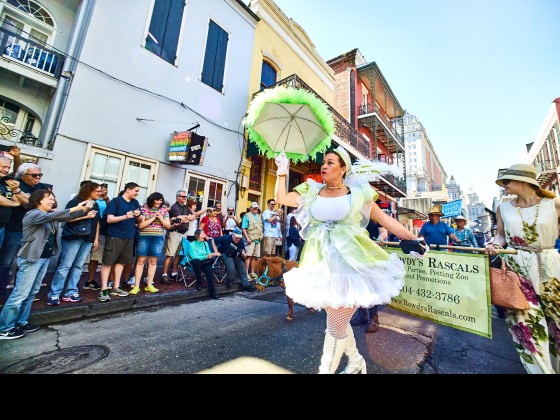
(6, 178)
(230, 213)
(4, 148)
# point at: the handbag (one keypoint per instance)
(76, 230)
(505, 288)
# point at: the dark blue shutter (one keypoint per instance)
(172, 32)
(157, 26)
(215, 57)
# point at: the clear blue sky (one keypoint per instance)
(480, 75)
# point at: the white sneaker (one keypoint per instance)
(131, 281)
(110, 284)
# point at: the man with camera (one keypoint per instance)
(230, 222)
(232, 249)
(271, 224)
(10, 195)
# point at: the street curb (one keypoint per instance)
(62, 313)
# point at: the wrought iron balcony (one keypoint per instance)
(389, 184)
(30, 53)
(385, 125)
(546, 169)
(7, 132)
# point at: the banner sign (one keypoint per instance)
(452, 209)
(449, 288)
(187, 147)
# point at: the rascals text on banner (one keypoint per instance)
(449, 288)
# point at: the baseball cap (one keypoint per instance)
(254, 204)
(237, 232)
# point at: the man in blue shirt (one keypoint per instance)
(232, 249)
(436, 232)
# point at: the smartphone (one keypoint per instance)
(4, 148)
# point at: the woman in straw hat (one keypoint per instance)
(341, 268)
(529, 224)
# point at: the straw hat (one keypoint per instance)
(520, 172)
(436, 210)
(461, 218)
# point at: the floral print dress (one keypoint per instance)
(532, 232)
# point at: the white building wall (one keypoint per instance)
(103, 111)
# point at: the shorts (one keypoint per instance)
(97, 253)
(253, 250)
(118, 251)
(149, 246)
(172, 242)
(269, 246)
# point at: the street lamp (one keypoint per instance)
(30, 139)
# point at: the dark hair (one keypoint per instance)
(293, 221)
(197, 233)
(191, 203)
(130, 186)
(36, 197)
(340, 160)
(84, 182)
(86, 190)
(269, 200)
(153, 197)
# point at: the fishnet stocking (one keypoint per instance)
(337, 321)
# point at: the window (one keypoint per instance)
(116, 170)
(165, 25)
(255, 175)
(215, 57)
(34, 9)
(268, 75)
(205, 191)
(8, 112)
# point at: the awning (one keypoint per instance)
(413, 214)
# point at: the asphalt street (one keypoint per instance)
(248, 333)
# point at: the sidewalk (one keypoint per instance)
(176, 292)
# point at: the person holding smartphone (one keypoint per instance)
(230, 222)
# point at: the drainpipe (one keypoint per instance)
(56, 110)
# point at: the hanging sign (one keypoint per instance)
(188, 148)
(452, 209)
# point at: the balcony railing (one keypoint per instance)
(546, 169)
(8, 132)
(30, 53)
(371, 108)
(546, 165)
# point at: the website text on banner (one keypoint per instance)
(451, 289)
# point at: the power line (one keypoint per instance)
(180, 103)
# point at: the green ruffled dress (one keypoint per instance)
(340, 266)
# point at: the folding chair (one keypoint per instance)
(185, 271)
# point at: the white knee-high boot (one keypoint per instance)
(356, 363)
(333, 349)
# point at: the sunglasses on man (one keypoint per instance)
(35, 175)
(506, 181)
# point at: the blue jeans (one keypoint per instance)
(233, 264)
(73, 256)
(8, 251)
(149, 246)
(28, 282)
(2, 232)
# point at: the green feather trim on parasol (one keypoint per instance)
(272, 140)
